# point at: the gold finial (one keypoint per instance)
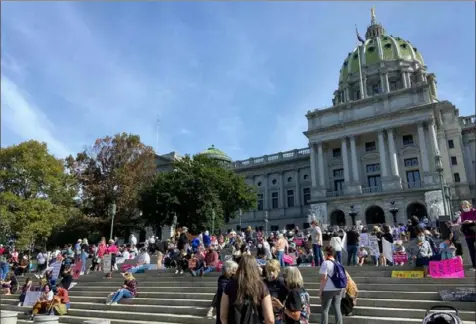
(372, 14)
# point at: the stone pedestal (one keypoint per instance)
(7, 317)
(392, 183)
(46, 319)
(354, 188)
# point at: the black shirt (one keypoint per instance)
(277, 289)
(352, 238)
(231, 291)
(294, 303)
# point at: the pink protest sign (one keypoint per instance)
(299, 241)
(452, 268)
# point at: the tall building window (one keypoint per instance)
(370, 146)
(372, 168)
(357, 95)
(411, 162)
(336, 153)
(413, 179)
(454, 160)
(339, 185)
(393, 85)
(407, 140)
(451, 144)
(375, 89)
(290, 194)
(374, 183)
(306, 195)
(457, 178)
(274, 200)
(260, 202)
(338, 173)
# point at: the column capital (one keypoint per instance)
(381, 131)
(389, 131)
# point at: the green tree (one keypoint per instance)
(196, 190)
(113, 171)
(36, 194)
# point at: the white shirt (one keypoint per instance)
(316, 235)
(49, 295)
(144, 258)
(133, 240)
(327, 268)
(126, 255)
(336, 243)
(41, 258)
(152, 240)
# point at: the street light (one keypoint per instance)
(352, 214)
(113, 212)
(266, 222)
(393, 210)
(439, 169)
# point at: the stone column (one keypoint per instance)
(353, 154)
(298, 188)
(281, 190)
(345, 159)
(433, 138)
(265, 193)
(425, 163)
(346, 93)
(393, 153)
(364, 86)
(320, 157)
(383, 82)
(387, 83)
(404, 79)
(383, 154)
(313, 165)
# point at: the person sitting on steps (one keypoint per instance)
(128, 289)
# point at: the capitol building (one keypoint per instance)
(388, 148)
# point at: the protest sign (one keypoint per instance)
(407, 274)
(373, 245)
(451, 268)
(387, 248)
(299, 241)
(56, 268)
(364, 240)
(107, 263)
(31, 298)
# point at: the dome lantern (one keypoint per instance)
(374, 30)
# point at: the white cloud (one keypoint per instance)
(26, 120)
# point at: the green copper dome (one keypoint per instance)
(377, 48)
(216, 154)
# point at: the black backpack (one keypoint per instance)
(246, 313)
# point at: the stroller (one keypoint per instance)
(442, 315)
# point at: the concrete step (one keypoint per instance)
(120, 317)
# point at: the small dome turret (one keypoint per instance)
(216, 154)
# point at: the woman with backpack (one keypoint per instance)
(333, 282)
(246, 299)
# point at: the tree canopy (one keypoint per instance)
(114, 170)
(36, 194)
(197, 189)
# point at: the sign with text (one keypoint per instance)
(31, 298)
(387, 248)
(107, 263)
(451, 268)
(364, 240)
(56, 268)
(407, 274)
(299, 241)
(373, 245)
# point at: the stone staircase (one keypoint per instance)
(168, 298)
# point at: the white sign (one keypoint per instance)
(387, 248)
(106, 263)
(364, 240)
(56, 267)
(31, 298)
(373, 245)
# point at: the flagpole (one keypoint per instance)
(157, 136)
(360, 73)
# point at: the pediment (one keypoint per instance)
(335, 162)
(409, 150)
(370, 156)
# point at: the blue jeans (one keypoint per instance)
(83, 267)
(318, 257)
(139, 269)
(208, 270)
(4, 268)
(280, 258)
(339, 256)
(352, 254)
(122, 293)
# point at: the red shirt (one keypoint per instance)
(101, 250)
(211, 259)
(112, 249)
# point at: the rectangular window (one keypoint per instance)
(451, 144)
(274, 200)
(336, 153)
(413, 179)
(375, 89)
(457, 178)
(371, 168)
(407, 140)
(393, 85)
(290, 198)
(454, 160)
(412, 162)
(339, 185)
(306, 194)
(370, 146)
(338, 173)
(357, 95)
(374, 183)
(260, 202)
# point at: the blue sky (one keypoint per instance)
(240, 75)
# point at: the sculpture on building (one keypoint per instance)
(434, 200)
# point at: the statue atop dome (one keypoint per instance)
(373, 18)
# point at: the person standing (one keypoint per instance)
(468, 228)
(316, 237)
(352, 239)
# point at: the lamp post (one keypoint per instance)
(352, 214)
(393, 210)
(213, 222)
(112, 210)
(266, 222)
(439, 169)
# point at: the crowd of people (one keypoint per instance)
(261, 280)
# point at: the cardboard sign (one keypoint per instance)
(373, 245)
(77, 269)
(107, 263)
(407, 274)
(451, 268)
(56, 268)
(364, 240)
(31, 298)
(387, 249)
